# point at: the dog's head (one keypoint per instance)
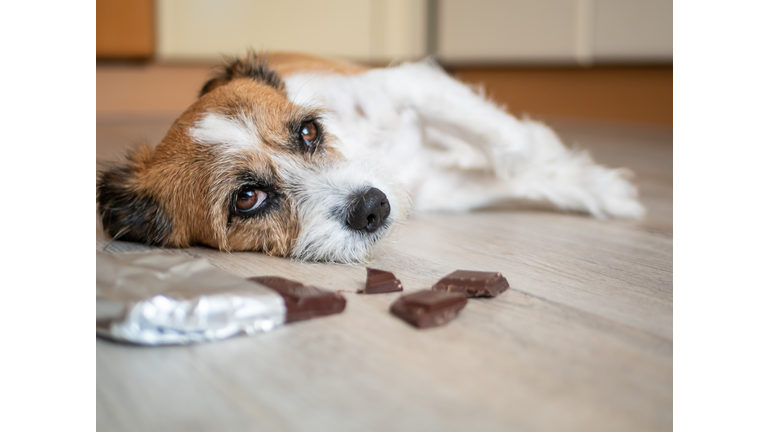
(244, 168)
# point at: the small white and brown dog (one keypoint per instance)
(316, 159)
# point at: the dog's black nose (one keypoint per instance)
(368, 210)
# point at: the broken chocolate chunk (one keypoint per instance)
(473, 283)
(380, 281)
(303, 302)
(426, 309)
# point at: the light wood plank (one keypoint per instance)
(582, 341)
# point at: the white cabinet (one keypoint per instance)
(633, 30)
(554, 31)
(504, 30)
(464, 31)
(363, 30)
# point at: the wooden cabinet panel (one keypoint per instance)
(125, 29)
(634, 94)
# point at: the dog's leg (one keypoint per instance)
(483, 155)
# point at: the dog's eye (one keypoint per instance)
(308, 132)
(249, 198)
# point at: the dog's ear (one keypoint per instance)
(126, 212)
(252, 66)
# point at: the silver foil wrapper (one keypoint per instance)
(154, 298)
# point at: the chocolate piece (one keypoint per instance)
(380, 281)
(426, 309)
(303, 301)
(473, 283)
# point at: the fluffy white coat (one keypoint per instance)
(452, 149)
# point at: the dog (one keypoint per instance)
(318, 159)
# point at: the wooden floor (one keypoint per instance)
(581, 342)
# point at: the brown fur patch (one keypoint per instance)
(288, 63)
(181, 193)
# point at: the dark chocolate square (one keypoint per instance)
(380, 281)
(303, 301)
(426, 309)
(473, 283)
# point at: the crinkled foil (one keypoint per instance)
(153, 298)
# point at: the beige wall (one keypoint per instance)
(363, 30)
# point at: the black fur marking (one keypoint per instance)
(128, 215)
(251, 66)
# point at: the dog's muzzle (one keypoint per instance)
(368, 210)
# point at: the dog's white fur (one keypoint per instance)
(322, 193)
(445, 147)
(452, 149)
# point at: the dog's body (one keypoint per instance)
(299, 156)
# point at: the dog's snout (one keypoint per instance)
(368, 210)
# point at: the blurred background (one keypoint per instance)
(594, 60)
